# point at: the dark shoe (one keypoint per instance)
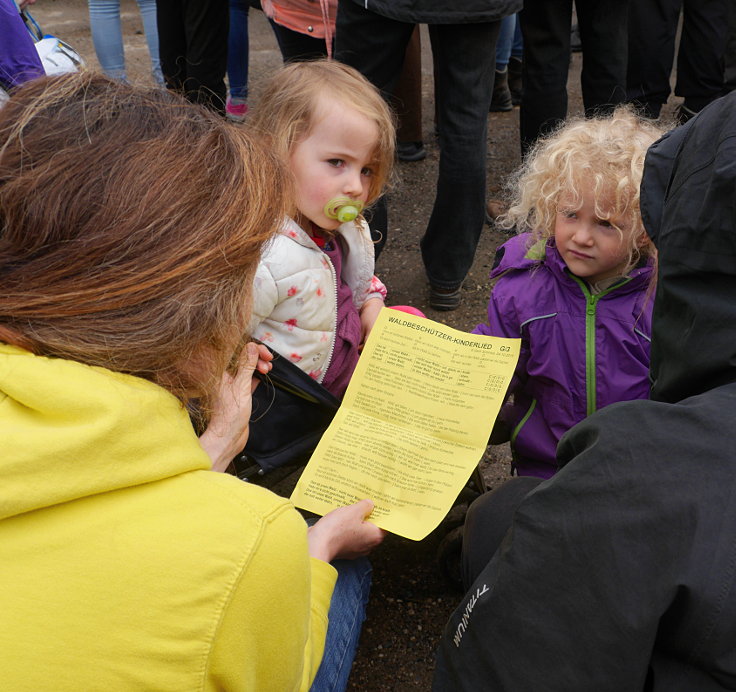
(501, 100)
(515, 80)
(410, 151)
(444, 299)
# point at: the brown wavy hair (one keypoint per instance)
(131, 224)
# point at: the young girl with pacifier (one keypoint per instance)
(575, 285)
(315, 297)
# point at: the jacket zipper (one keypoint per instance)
(590, 351)
(334, 327)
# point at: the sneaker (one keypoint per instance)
(501, 99)
(236, 111)
(410, 151)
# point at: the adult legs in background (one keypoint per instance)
(652, 33)
(375, 46)
(107, 36)
(193, 43)
(465, 62)
(604, 35)
(545, 25)
(150, 28)
(465, 57)
(407, 101)
(700, 60)
(487, 521)
(237, 60)
(347, 613)
(501, 99)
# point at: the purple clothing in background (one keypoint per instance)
(562, 376)
(347, 335)
(19, 61)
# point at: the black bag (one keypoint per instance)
(290, 413)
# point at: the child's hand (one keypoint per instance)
(227, 431)
(368, 315)
(344, 533)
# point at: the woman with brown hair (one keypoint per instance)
(131, 224)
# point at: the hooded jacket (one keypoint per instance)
(579, 352)
(620, 572)
(125, 564)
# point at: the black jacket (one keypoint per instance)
(620, 572)
(442, 11)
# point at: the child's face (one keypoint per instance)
(334, 159)
(590, 245)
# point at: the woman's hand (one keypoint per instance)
(227, 431)
(344, 533)
(368, 315)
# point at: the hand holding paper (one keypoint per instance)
(414, 423)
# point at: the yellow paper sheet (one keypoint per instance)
(413, 424)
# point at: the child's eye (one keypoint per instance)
(568, 213)
(336, 162)
(605, 223)
(367, 171)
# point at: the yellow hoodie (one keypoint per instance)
(125, 564)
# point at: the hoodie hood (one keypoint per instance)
(57, 416)
(688, 203)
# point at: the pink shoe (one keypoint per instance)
(236, 111)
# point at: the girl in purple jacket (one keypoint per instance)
(575, 285)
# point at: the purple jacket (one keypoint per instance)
(19, 61)
(579, 352)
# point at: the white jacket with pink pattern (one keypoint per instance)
(295, 292)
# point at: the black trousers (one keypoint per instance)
(465, 66)
(700, 65)
(545, 26)
(192, 36)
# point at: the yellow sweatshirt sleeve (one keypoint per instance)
(272, 632)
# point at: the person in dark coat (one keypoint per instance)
(371, 36)
(619, 573)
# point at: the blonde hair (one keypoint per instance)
(285, 113)
(604, 153)
(131, 225)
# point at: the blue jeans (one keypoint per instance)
(107, 36)
(347, 612)
(510, 41)
(237, 50)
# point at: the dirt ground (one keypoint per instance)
(410, 601)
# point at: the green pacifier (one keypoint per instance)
(343, 209)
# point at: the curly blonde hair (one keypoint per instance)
(603, 154)
(285, 113)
